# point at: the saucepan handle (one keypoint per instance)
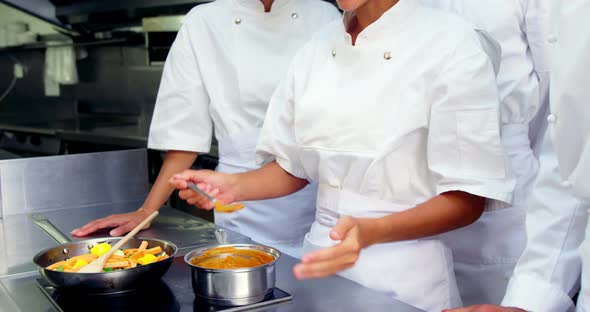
(220, 236)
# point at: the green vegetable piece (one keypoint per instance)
(60, 268)
(107, 269)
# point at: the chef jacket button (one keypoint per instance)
(333, 52)
(387, 55)
(566, 184)
(552, 39)
(551, 118)
(238, 21)
(294, 15)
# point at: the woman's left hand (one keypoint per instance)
(352, 233)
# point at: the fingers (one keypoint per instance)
(177, 183)
(348, 246)
(195, 199)
(186, 194)
(180, 180)
(200, 202)
(123, 229)
(213, 192)
(328, 261)
(214, 184)
(344, 225)
(318, 269)
(334, 259)
(110, 221)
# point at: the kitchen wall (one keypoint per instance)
(112, 79)
(42, 7)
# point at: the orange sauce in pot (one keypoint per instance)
(231, 258)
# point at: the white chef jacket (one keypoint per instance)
(550, 266)
(548, 272)
(485, 252)
(219, 75)
(518, 25)
(399, 102)
(226, 61)
(569, 120)
(388, 118)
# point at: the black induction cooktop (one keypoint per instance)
(172, 293)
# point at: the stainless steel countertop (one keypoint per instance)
(20, 240)
(173, 225)
(19, 292)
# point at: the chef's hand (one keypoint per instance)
(485, 308)
(221, 186)
(122, 223)
(352, 234)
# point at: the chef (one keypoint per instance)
(226, 61)
(548, 274)
(486, 252)
(394, 112)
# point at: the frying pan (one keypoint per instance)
(105, 282)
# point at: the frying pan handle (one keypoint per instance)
(49, 228)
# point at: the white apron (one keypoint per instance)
(280, 223)
(486, 251)
(392, 267)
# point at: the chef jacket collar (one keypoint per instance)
(257, 6)
(391, 21)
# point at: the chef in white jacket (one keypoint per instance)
(486, 252)
(557, 255)
(394, 112)
(226, 61)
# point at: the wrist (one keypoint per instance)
(235, 186)
(370, 231)
(145, 211)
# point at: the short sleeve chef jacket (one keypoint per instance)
(409, 112)
(227, 59)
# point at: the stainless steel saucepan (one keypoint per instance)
(233, 287)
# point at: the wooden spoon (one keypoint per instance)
(97, 265)
(218, 206)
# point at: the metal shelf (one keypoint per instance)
(44, 45)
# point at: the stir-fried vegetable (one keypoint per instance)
(79, 263)
(147, 259)
(121, 259)
(100, 249)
